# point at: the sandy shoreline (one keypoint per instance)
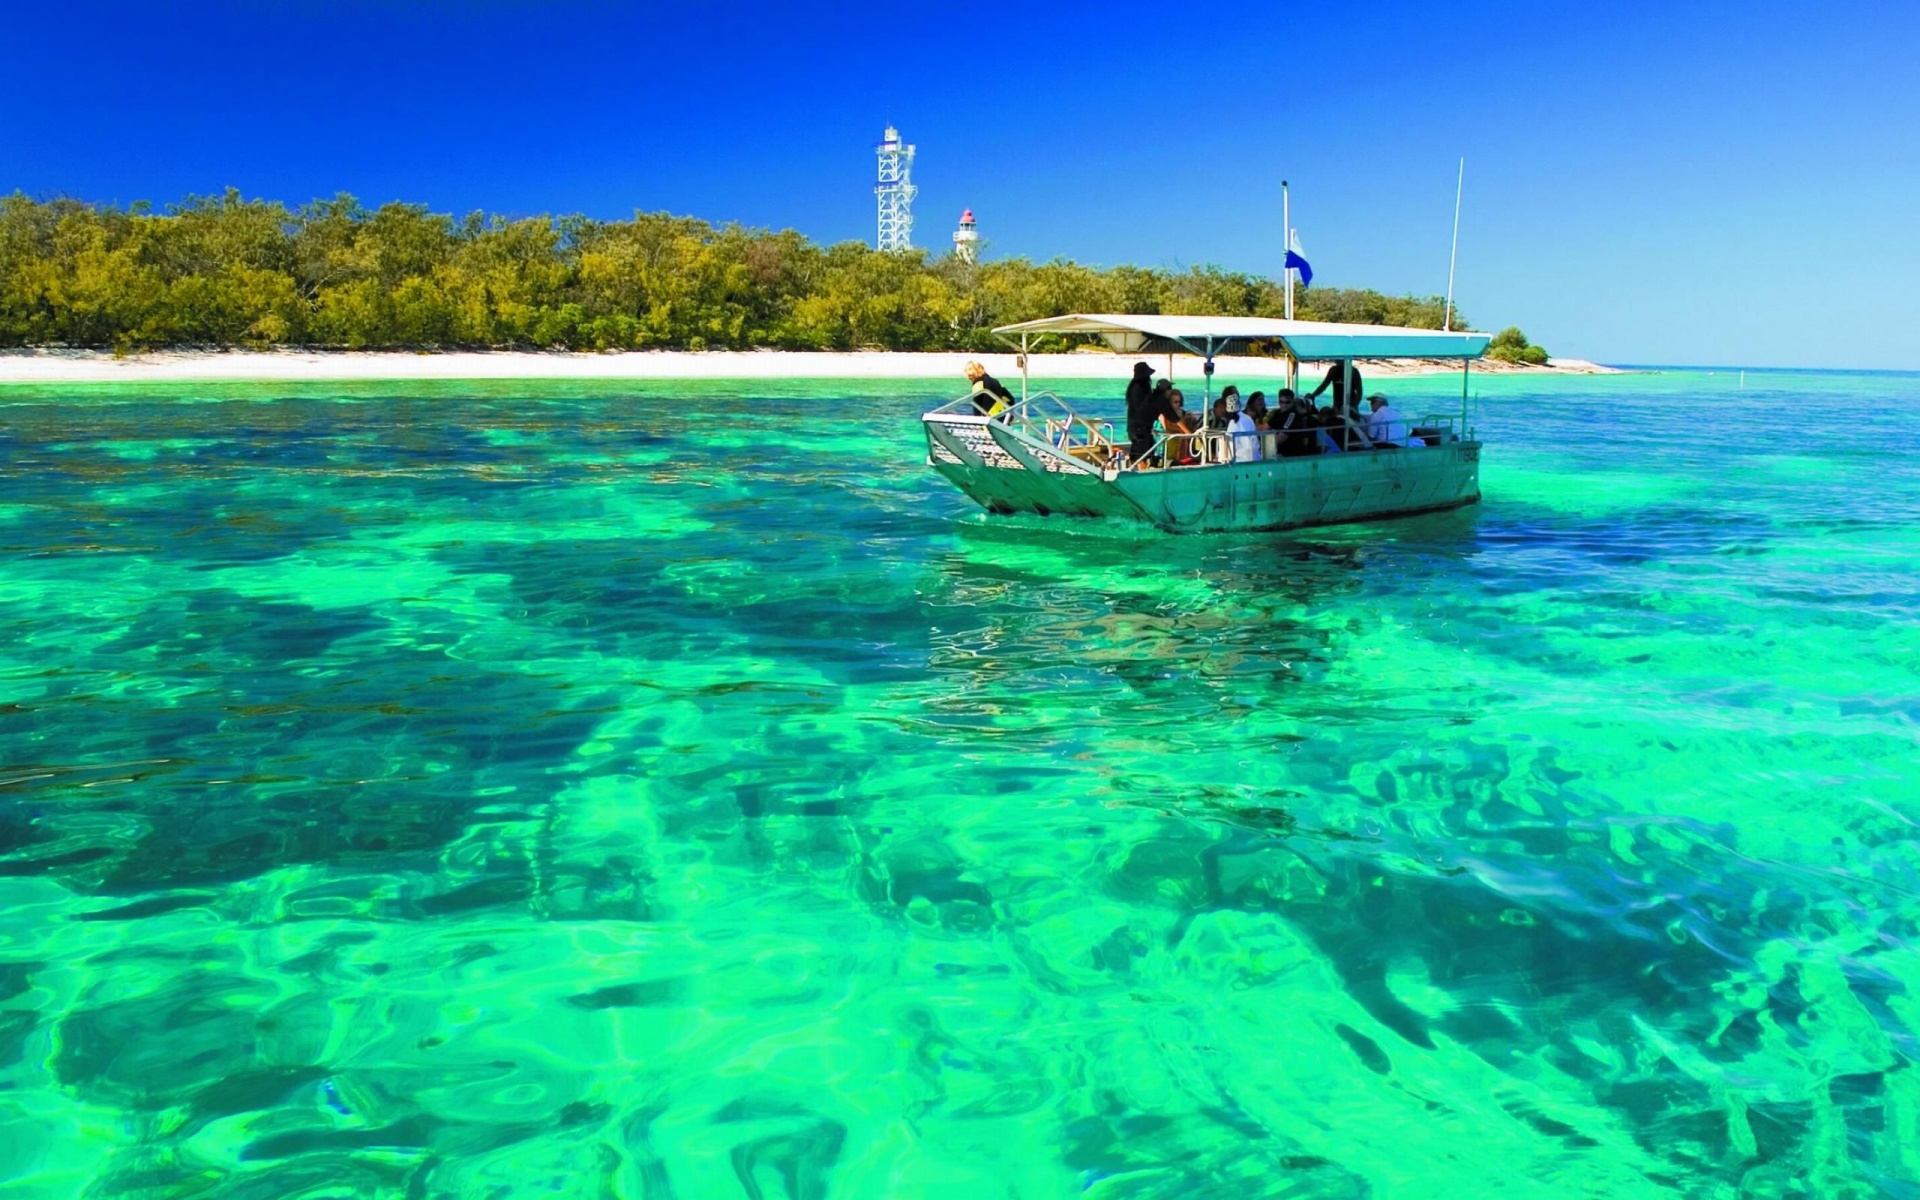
(93, 366)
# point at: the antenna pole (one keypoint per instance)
(1454, 259)
(1286, 239)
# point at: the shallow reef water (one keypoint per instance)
(676, 790)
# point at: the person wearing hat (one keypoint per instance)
(1246, 439)
(1386, 427)
(1162, 391)
(990, 396)
(1227, 405)
(1144, 407)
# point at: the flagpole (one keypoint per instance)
(1454, 258)
(1286, 239)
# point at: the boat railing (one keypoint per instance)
(963, 407)
(1213, 447)
(1047, 418)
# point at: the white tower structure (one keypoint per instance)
(896, 192)
(966, 239)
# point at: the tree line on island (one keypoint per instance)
(229, 271)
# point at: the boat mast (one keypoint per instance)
(1286, 248)
(1286, 243)
(1454, 258)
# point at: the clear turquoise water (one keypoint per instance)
(499, 791)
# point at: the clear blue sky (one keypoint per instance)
(1734, 183)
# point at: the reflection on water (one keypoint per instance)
(486, 789)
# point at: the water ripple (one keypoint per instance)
(468, 790)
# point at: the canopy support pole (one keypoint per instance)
(1023, 368)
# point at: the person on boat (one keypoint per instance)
(1227, 408)
(1144, 407)
(1218, 421)
(1256, 410)
(1246, 439)
(1337, 378)
(990, 396)
(1333, 427)
(1385, 426)
(1348, 427)
(1297, 424)
(1178, 420)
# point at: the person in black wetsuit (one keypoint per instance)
(1293, 419)
(989, 394)
(1144, 407)
(1337, 380)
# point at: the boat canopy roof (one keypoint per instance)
(1210, 336)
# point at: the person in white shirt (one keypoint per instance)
(1226, 406)
(1385, 426)
(1246, 437)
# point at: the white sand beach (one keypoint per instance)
(94, 366)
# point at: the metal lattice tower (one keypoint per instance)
(896, 192)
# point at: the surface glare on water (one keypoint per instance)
(627, 790)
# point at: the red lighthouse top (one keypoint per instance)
(966, 218)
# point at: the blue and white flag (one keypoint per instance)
(1297, 260)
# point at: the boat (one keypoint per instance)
(1041, 456)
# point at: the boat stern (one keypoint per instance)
(1024, 466)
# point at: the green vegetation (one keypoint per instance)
(227, 271)
(1510, 345)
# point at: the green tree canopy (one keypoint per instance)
(1510, 345)
(229, 271)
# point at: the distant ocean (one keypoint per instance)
(638, 790)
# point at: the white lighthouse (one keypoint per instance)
(966, 239)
